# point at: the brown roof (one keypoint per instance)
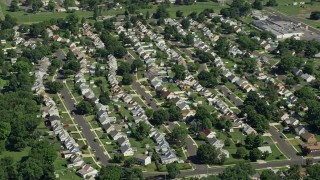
(307, 135)
(206, 132)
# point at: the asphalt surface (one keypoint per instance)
(230, 95)
(69, 102)
(282, 144)
(141, 91)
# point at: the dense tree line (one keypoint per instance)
(237, 8)
(259, 112)
(116, 172)
(310, 48)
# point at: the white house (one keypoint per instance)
(143, 159)
(126, 150)
(87, 171)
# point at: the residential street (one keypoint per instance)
(282, 144)
(69, 102)
(139, 90)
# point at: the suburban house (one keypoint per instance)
(308, 137)
(208, 133)
(248, 129)
(168, 157)
(143, 159)
(299, 130)
(75, 161)
(86, 171)
(265, 149)
(216, 142)
(126, 150)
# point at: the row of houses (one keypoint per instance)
(86, 30)
(167, 155)
(181, 103)
(305, 76)
(51, 113)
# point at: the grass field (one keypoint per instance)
(17, 156)
(28, 18)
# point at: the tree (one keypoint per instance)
(268, 175)
(313, 171)
(255, 154)
(189, 39)
(209, 79)
(208, 154)
(179, 13)
(257, 4)
(8, 168)
(142, 131)
(136, 65)
(51, 5)
(72, 19)
(179, 71)
(133, 174)
(241, 171)
(124, 68)
(315, 15)
(31, 169)
(241, 152)
(127, 79)
(174, 113)
(85, 107)
(161, 12)
(173, 170)
(14, 6)
(222, 47)
(110, 173)
(272, 3)
(160, 116)
(249, 141)
(179, 134)
(129, 162)
(185, 23)
(54, 87)
(36, 5)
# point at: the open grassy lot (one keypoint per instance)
(28, 18)
(17, 156)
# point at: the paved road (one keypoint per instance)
(191, 148)
(282, 144)
(141, 91)
(69, 102)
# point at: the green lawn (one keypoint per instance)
(17, 156)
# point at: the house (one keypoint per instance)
(87, 171)
(116, 135)
(168, 157)
(108, 128)
(292, 122)
(123, 141)
(312, 148)
(284, 116)
(308, 77)
(308, 137)
(225, 153)
(75, 161)
(143, 159)
(126, 150)
(248, 129)
(216, 142)
(209, 134)
(299, 130)
(265, 149)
